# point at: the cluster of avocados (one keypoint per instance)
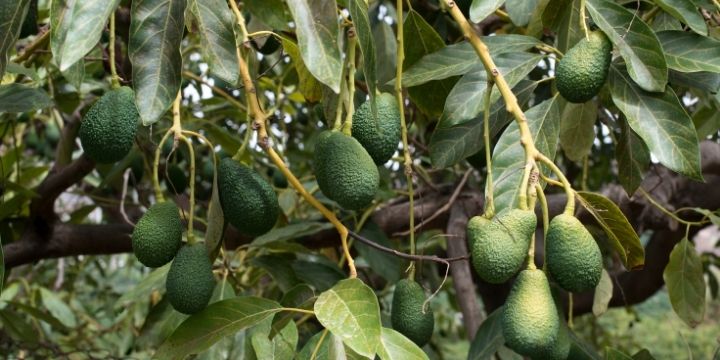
(346, 166)
(499, 249)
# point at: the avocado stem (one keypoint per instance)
(350, 82)
(489, 189)
(114, 78)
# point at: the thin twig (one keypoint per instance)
(403, 255)
(126, 177)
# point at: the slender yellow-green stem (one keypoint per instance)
(583, 22)
(350, 82)
(114, 78)
(240, 21)
(570, 310)
(717, 4)
(156, 166)
(667, 212)
(570, 206)
(550, 49)
(585, 169)
(246, 138)
(545, 218)
(216, 89)
(489, 197)
(532, 198)
(39, 42)
(297, 310)
(313, 356)
(191, 210)
(651, 14)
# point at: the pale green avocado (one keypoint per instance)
(500, 247)
(158, 235)
(530, 319)
(378, 135)
(344, 170)
(581, 73)
(573, 257)
(408, 316)
(474, 226)
(107, 131)
(190, 281)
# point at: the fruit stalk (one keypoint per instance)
(114, 78)
(489, 198)
(350, 82)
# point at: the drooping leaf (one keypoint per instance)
(520, 10)
(581, 349)
(223, 318)
(603, 294)
(465, 100)
(577, 129)
(350, 310)
(281, 346)
(12, 13)
(58, 308)
(17, 97)
(687, 12)
(622, 236)
(508, 158)
(633, 158)
(156, 31)
(317, 31)
(637, 43)
(488, 338)
(361, 21)
(310, 87)
(480, 9)
(683, 276)
(395, 346)
(661, 121)
(76, 27)
(689, 52)
(215, 28)
(448, 146)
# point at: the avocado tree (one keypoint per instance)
(322, 179)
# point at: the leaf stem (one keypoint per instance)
(298, 310)
(114, 78)
(350, 95)
(489, 189)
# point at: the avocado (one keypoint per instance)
(573, 257)
(407, 314)
(500, 247)
(278, 178)
(530, 322)
(378, 135)
(247, 199)
(176, 179)
(190, 281)
(108, 129)
(158, 235)
(473, 228)
(581, 73)
(560, 349)
(345, 171)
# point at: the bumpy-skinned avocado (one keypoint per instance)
(582, 71)
(190, 281)
(247, 199)
(573, 257)
(378, 135)
(530, 320)
(473, 228)
(559, 349)
(108, 128)
(158, 235)
(345, 171)
(408, 316)
(500, 247)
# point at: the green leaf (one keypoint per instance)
(317, 32)
(76, 27)
(22, 98)
(386, 49)
(520, 10)
(361, 21)
(664, 21)
(330, 348)
(395, 346)
(40, 315)
(508, 158)
(215, 27)
(706, 120)
(350, 311)
(75, 74)
(154, 281)
(218, 320)
(615, 354)
(689, 52)
(156, 31)
(12, 13)
(16, 326)
(271, 12)
(566, 20)
(703, 80)
(643, 354)
(384, 264)
(321, 275)
(661, 121)
(215, 218)
(581, 350)
(57, 307)
(310, 88)
(291, 231)
(458, 59)
(279, 267)
(685, 11)
(281, 346)
(619, 231)
(603, 294)
(637, 43)
(488, 338)
(577, 129)
(465, 100)
(633, 158)
(685, 283)
(448, 146)
(480, 9)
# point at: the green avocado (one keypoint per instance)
(559, 349)
(158, 235)
(247, 199)
(530, 320)
(379, 136)
(474, 226)
(190, 281)
(582, 71)
(573, 257)
(408, 316)
(500, 247)
(345, 171)
(108, 129)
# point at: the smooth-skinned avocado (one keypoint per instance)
(500, 247)
(344, 170)
(408, 316)
(573, 257)
(158, 235)
(378, 135)
(108, 129)
(581, 73)
(190, 281)
(247, 199)
(530, 320)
